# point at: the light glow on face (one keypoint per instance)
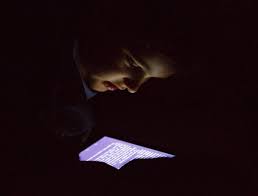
(128, 71)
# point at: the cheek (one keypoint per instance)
(113, 75)
(115, 72)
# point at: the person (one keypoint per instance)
(121, 51)
(26, 145)
(127, 70)
(109, 56)
(56, 65)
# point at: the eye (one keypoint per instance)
(130, 62)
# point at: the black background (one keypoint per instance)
(206, 117)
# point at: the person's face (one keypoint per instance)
(127, 70)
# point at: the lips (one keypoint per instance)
(110, 86)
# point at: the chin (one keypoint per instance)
(99, 89)
(97, 86)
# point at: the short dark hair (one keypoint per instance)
(132, 24)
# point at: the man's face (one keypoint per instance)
(127, 70)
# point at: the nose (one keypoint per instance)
(132, 85)
(133, 90)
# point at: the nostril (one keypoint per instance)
(130, 83)
(132, 86)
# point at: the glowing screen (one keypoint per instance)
(117, 153)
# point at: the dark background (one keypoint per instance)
(206, 116)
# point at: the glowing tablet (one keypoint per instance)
(117, 153)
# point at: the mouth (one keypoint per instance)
(110, 86)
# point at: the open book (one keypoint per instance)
(117, 153)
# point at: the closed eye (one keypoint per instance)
(133, 64)
(130, 61)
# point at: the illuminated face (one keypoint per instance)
(126, 70)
